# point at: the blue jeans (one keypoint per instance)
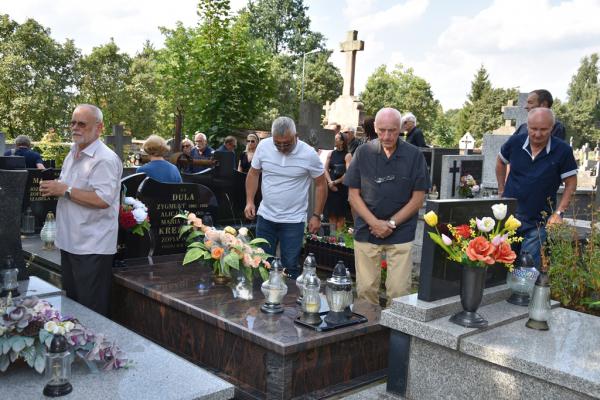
(532, 243)
(289, 237)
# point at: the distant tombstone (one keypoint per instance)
(439, 277)
(12, 162)
(453, 167)
(225, 164)
(490, 150)
(164, 201)
(118, 140)
(130, 245)
(466, 143)
(310, 130)
(433, 158)
(131, 183)
(40, 205)
(2, 143)
(12, 190)
(127, 171)
(517, 113)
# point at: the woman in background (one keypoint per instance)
(246, 158)
(158, 168)
(337, 206)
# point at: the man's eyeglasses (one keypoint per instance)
(186, 145)
(251, 141)
(79, 124)
(385, 179)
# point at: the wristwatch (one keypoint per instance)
(320, 216)
(392, 223)
(559, 213)
(67, 194)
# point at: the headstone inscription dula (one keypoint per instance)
(40, 205)
(453, 168)
(440, 277)
(164, 201)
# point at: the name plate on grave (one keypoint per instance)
(40, 205)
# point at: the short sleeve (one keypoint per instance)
(105, 179)
(568, 166)
(352, 176)
(258, 156)
(505, 150)
(315, 166)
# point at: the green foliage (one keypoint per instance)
(403, 90)
(53, 147)
(480, 86)
(37, 77)
(574, 266)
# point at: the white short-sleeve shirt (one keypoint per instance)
(285, 180)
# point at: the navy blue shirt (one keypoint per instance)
(534, 182)
(558, 130)
(31, 157)
(416, 138)
(223, 148)
(162, 171)
(386, 185)
(197, 155)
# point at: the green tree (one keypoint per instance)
(37, 77)
(480, 85)
(583, 106)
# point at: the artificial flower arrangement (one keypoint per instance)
(483, 242)
(467, 186)
(28, 325)
(343, 238)
(227, 248)
(133, 216)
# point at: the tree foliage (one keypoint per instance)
(37, 77)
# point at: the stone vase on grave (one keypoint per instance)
(471, 293)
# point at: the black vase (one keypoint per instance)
(472, 284)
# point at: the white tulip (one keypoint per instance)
(499, 210)
(129, 201)
(140, 215)
(243, 231)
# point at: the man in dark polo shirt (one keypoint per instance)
(542, 98)
(539, 163)
(387, 181)
(23, 149)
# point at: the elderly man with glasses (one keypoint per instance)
(202, 151)
(387, 181)
(287, 166)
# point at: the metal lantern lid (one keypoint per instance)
(58, 344)
(543, 279)
(526, 260)
(312, 281)
(339, 279)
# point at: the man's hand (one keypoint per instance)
(53, 188)
(314, 224)
(332, 186)
(380, 229)
(554, 219)
(250, 211)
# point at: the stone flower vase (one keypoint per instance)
(472, 284)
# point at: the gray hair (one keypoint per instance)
(282, 126)
(350, 128)
(202, 135)
(542, 110)
(22, 141)
(386, 110)
(95, 110)
(409, 117)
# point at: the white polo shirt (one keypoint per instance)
(285, 180)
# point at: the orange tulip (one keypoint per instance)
(216, 253)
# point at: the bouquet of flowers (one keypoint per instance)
(227, 248)
(468, 186)
(28, 325)
(482, 242)
(343, 238)
(133, 216)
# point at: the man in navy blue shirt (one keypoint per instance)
(229, 144)
(542, 98)
(32, 158)
(539, 163)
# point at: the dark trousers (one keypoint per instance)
(87, 278)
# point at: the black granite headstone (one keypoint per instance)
(12, 190)
(225, 164)
(439, 277)
(40, 205)
(164, 201)
(436, 164)
(12, 162)
(131, 245)
(473, 168)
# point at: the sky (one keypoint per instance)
(525, 44)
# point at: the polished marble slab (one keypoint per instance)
(155, 373)
(35, 286)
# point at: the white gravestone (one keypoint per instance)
(490, 149)
(466, 143)
(453, 167)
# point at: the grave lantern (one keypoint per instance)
(58, 368)
(521, 280)
(48, 232)
(539, 306)
(311, 301)
(9, 275)
(274, 289)
(339, 295)
(309, 265)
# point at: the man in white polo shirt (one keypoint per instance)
(287, 166)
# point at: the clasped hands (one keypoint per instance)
(381, 229)
(53, 188)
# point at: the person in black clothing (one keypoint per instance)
(337, 206)
(246, 157)
(542, 98)
(369, 127)
(23, 145)
(351, 141)
(412, 134)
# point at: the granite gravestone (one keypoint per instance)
(164, 201)
(433, 158)
(12, 162)
(517, 113)
(118, 141)
(440, 277)
(310, 129)
(12, 190)
(490, 150)
(453, 167)
(130, 245)
(40, 205)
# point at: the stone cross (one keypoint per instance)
(350, 47)
(518, 112)
(454, 170)
(118, 140)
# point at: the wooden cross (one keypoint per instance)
(118, 140)
(454, 170)
(350, 47)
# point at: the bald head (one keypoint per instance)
(387, 126)
(544, 113)
(540, 122)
